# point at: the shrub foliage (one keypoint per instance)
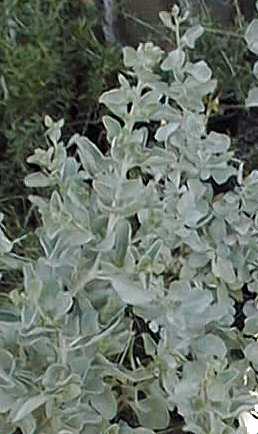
(143, 300)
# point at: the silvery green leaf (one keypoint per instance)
(197, 260)
(196, 301)
(252, 98)
(251, 325)
(112, 126)
(209, 345)
(90, 417)
(28, 406)
(217, 142)
(5, 244)
(243, 225)
(59, 160)
(88, 341)
(227, 377)
(164, 132)
(29, 317)
(130, 56)
(191, 35)
(70, 391)
(81, 365)
(56, 205)
(37, 180)
(251, 353)
(77, 237)
(195, 125)
(48, 121)
(124, 82)
(250, 309)
(105, 191)
(54, 131)
(223, 268)
(90, 156)
(32, 283)
(7, 361)
(56, 374)
(152, 413)
(106, 244)
(222, 174)
(39, 202)
(149, 56)
(255, 69)
(6, 400)
(93, 382)
(150, 258)
(63, 304)
(122, 240)
(141, 135)
(41, 157)
(199, 70)
(89, 321)
(190, 383)
(131, 292)
(116, 100)
(70, 169)
(218, 229)
(193, 240)
(86, 271)
(105, 404)
(174, 60)
(190, 93)
(216, 391)
(166, 19)
(251, 36)
(190, 209)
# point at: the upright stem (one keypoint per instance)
(178, 41)
(238, 14)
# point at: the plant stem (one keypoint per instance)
(238, 14)
(147, 25)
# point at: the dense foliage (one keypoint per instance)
(143, 301)
(54, 60)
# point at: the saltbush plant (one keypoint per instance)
(142, 304)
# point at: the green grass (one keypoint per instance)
(51, 62)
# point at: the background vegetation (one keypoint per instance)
(51, 61)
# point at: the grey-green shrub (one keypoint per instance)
(138, 233)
